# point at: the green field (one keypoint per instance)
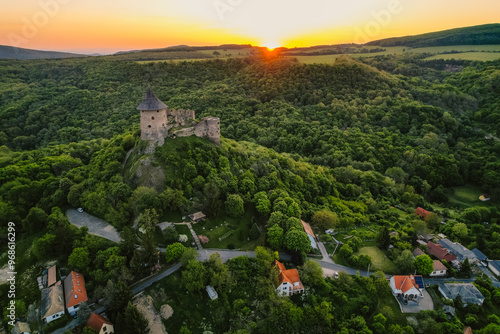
(233, 231)
(379, 260)
(466, 196)
(475, 56)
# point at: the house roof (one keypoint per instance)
(460, 251)
(74, 289)
(422, 212)
(52, 276)
(495, 264)
(23, 327)
(467, 330)
(164, 225)
(405, 283)
(467, 291)
(151, 102)
(52, 300)
(440, 252)
(197, 215)
(96, 321)
(289, 275)
(417, 252)
(480, 256)
(438, 265)
(308, 229)
(449, 309)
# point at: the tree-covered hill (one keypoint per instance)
(475, 35)
(10, 52)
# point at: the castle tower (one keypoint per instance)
(153, 117)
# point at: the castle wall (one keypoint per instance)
(155, 125)
(209, 127)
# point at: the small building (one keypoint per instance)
(310, 234)
(197, 217)
(51, 276)
(484, 197)
(52, 306)
(407, 287)
(494, 267)
(440, 252)
(164, 225)
(100, 324)
(289, 281)
(394, 234)
(21, 328)
(417, 251)
(422, 212)
(447, 309)
(458, 250)
(467, 291)
(74, 291)
(439, 269)
(211, 292)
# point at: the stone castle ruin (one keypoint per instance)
(159, 122)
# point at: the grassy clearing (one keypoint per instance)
(193, 308)
(389, 306)
(232, 231)
(460, 48)
(228, 53)
(475, 56)
(379, 260)
(466, 196)
(436, 297)
(183, 229)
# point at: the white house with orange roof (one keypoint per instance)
(407, 287)
(310, 234)
(289, 281)
(100, 324)
(74, 291)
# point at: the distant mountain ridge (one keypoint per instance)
(10, 52)
(475, 35)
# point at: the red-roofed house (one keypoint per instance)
(405, 286)
(74, 291)
(98, 323)
(421, 212)
(310, 234)
(289, 281)
(440, 252)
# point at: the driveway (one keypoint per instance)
(424, 304)
(95, 225)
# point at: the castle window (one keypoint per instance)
(149, 126)
(153, 117)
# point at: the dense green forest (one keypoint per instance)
(350, 145)
(476, 35)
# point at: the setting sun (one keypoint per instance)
(271, 45)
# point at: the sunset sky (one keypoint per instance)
(111, 25)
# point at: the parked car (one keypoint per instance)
(79, 210)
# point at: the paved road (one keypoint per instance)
(141, 285)
(95, 225)
(324, 253)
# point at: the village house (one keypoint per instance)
(467, 292)
(52, 306)
(440, 252)
(289, 281)
(21, 328)
(458, 250)
(479, 255)
(408, 287)
(439, 269)
(100, 324)
(197, 217)
(74, 291)
(417, 251)
(422, 212)
(51, 276)
(310, 234)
